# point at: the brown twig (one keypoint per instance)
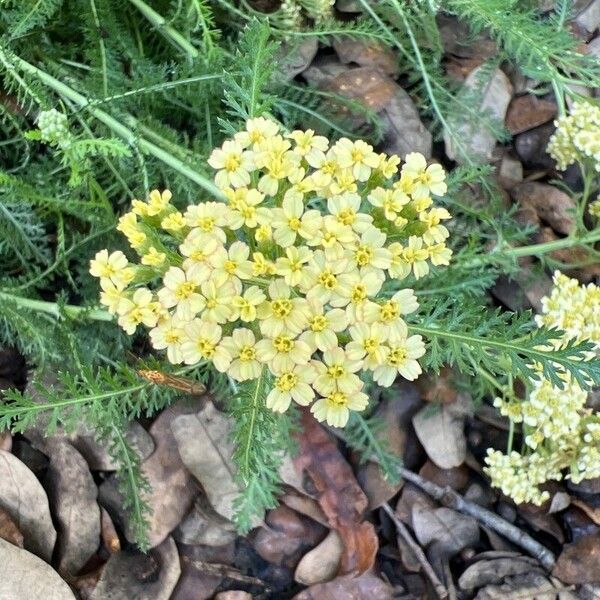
(440, 590)
(448, 497)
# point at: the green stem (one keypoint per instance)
(544, 248)
(54, 309)
(245, 467)
(116, 126)
(169, 32)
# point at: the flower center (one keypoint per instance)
(211, 303)
(294, 223)
(173, 336)
(363, 255)
(359, 293)
(286, 382)
(247, 353)
(328, 280)
(337, 399)
(206, 348)
(370, 345)
(230, 266)
(389, 312)
(185, 290)
(346, 216)
(335, 371)
(232, 163)
(397, 356)
(283, 343)
(282, 308)
(206, 223)
(318, 323)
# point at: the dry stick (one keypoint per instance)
(440, 590)
(448, 497)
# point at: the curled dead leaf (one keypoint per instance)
(339, 495)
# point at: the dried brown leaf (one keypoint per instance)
(493, 567)
(339, 495)
(579, 562)
(440, 429)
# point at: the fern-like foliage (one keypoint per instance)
(469, 336)
(261, 438)
(543, 49)
(367, 437)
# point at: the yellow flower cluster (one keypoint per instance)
(560, 432)
(297, 272)
(577, 136)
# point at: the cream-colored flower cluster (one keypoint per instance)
(287, 274)
(560, 431)
(577, 136)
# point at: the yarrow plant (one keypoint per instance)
(297, 275)
(560, 431)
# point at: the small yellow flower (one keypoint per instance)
(323, 326)
(346, 209)
(292, 384)
(337, 372)
(291, 266)
(181, 289)
(108, 266)
(322, 272)
(218, 294)
(435, 233)
(244, 307)
(174, 221)
(282, 352)
(370, 253)
(391, 201)
(426, 179)
(309, 146)
(261, 266)
(198, 248)
(257, 131)
(367, 344)
(289, 221)
(153, 258)
(234, 164)
(141, 308)
(158, 202)
(111, 296)
(209, 217)
(233, 264)
(358, 156)
(245, 210)
(241, 346)
(335, 408)
(169, 334)
(202, 343)
(354, 291)
(281, 312)
(402, 359)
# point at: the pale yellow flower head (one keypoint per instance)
(296, 276)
